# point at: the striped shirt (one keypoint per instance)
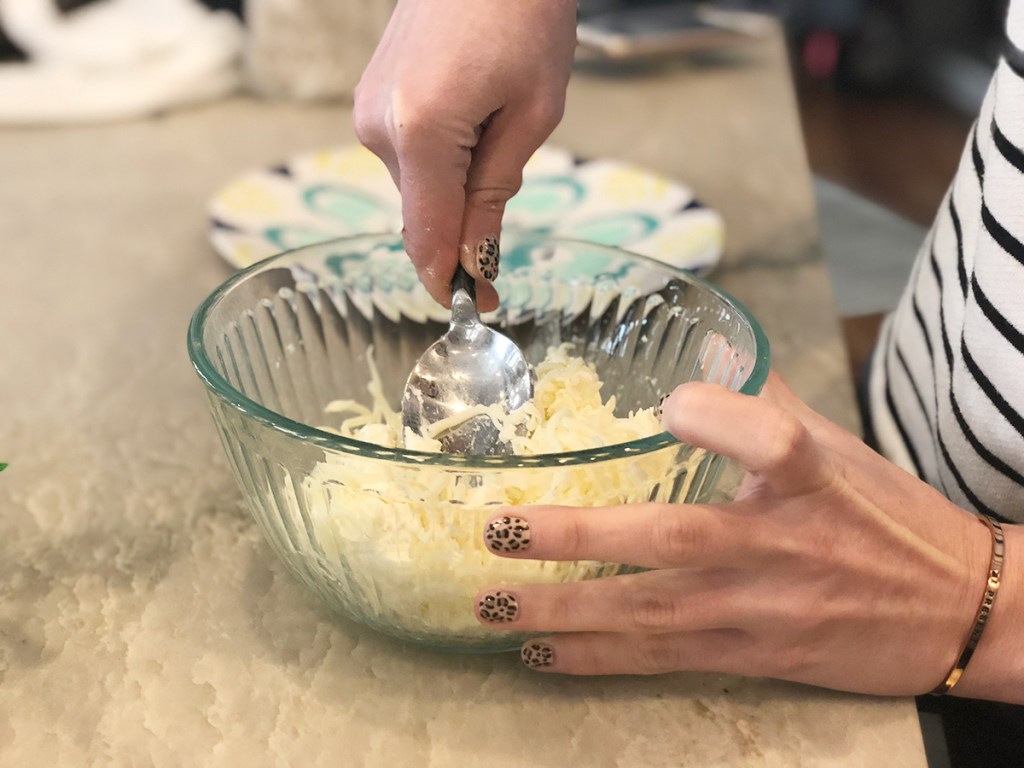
(946, 388)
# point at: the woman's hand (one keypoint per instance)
(457, 97)
(832, 566)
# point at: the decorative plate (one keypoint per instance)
(347, 191)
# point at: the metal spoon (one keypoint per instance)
(470, 365)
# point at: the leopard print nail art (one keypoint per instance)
(660, 410)
(537, 655)
(488, 255)
(508, 534)
(498, 607)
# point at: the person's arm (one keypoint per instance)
(457, 97)
(832, 567)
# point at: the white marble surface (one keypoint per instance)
(143, 622)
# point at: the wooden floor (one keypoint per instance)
(898, 150)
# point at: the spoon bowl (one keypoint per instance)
(470, 369)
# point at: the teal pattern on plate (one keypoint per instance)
(336, 192)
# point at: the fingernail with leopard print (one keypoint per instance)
(488, 254)
(507, 534)
(498, 607)
(536, 655)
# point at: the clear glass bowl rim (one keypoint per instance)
(238, 400)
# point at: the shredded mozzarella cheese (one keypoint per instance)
(405, 541)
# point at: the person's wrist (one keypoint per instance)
(996, 670)
(990, 592)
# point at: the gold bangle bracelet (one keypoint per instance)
(995, 572)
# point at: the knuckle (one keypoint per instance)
(824, 551)
(786, 662)
(368, 130)
(362, 95)
(368, 122)
(576, 537)
(412, 117)
(653, 610)
(787, 441)
(565, 606)
(548, 112)
(655, 655)
(676, 536)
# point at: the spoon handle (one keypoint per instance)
(462, 281)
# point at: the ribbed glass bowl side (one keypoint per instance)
(393, 538)
(399, 547)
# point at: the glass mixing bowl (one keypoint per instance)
(393, 538)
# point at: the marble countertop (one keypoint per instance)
(144, 622)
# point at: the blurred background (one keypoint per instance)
(887, 89)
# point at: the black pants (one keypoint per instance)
(979, 734)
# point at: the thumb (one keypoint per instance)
(764, 437)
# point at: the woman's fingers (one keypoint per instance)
(824, 558)
(455, 185)
(495, 174)
(644, 535)
(651, 602)
(433, 165)
(729, 651)
(626, 653)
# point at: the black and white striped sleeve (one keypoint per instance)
(946, 389)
